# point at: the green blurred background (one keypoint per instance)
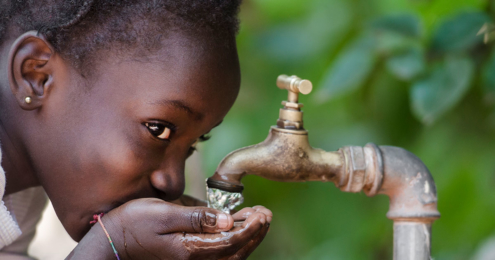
(409, 73)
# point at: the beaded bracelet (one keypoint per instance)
(97, 218)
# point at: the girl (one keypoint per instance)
(101, 103)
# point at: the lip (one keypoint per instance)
(106, 208)
(109, 208)
(113, 205)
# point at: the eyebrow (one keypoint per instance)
(182, 106)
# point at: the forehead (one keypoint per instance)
(202, 74)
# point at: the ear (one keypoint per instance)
(30, 71)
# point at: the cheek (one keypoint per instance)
(101, 162)
(103, 174)
(120, 161)
(117, 156)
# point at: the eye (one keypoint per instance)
(193, 148)
(160, 131)
(204, 138)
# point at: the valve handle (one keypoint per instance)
(294, 84)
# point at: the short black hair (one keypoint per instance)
(79, 28)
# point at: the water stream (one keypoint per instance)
(223, 200)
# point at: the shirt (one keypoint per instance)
(19, 214)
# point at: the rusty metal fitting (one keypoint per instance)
(355, 169)
(409, 185)
(363, 169)
(374, 169)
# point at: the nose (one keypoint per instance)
(169, 180)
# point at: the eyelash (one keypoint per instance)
(202, 138)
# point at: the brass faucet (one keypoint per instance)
(286, 156)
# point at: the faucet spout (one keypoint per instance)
(284, 156)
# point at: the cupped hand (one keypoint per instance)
(155, 229)
(243, 215)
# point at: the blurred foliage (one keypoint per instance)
(409, 73)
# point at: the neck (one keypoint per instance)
(18, 171)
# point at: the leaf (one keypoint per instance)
(403, 24)
(349, 70)
(459, 32)
(442, 89)
(389, 43)
(408, 64)
(488, 78)
(396, 33)
(302, 39)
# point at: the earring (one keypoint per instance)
(28, 100)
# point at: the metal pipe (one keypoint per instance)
(388, 170)
(412, 240)
(404, 178)
(413, 202)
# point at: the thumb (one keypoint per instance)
(195, 220)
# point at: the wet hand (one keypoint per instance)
(243, 215)
(154, 229)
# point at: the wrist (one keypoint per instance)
(94, 245)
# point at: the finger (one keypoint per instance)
(246, 212)
(225, 243)
(267, 212)
(243, 214)
(193, 219)
(246, 250)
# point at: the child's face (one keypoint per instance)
(95, 152)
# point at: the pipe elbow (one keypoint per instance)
(409, 185)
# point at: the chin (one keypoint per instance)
(77, 227)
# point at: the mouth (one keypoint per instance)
(105, 210)
(86, 219)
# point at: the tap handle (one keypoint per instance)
(294, 84)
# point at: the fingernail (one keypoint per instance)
(211, 219)
(222, 221)
(263, 220)
(269, 219)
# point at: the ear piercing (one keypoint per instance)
(28, 100)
